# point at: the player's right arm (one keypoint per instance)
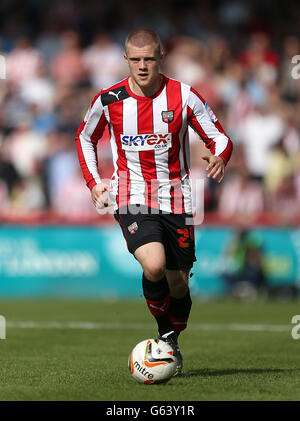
(87, 137)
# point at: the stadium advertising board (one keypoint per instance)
(94, 261)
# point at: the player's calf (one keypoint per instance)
(180, 299)
(179, 312)
(157, 297)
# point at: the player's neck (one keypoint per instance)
(145, 90)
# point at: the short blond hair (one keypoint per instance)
(143, 36)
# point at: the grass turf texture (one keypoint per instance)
(91, 364)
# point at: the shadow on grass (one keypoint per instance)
(208, 372)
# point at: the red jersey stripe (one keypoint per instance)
(209, 143)
(198, 95)
(116, 121)
(175, 105)
(226, 154)
(98, 132)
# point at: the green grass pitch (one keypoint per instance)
(78, 351)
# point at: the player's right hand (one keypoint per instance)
(100, 194)
(215, 168)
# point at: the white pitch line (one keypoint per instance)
(119, 325)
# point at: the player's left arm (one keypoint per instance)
(202, 119)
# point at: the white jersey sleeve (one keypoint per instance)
(203, 120)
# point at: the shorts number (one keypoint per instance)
(185, 234)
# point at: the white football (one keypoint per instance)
(152, 361)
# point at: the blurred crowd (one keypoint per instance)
(238, 55)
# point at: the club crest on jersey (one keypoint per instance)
(146, 142)
(167, 116)
(133, 228)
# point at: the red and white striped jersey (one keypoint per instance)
(149, 142)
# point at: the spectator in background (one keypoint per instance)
(9, 179)
(23, 62)
(60, 165)
(241, 196)
(38, 90)
(237, 98)
(278, 166)
(291, 138)
(260, 59)
(71, 200)
(67, 106)
(48, 41)
(297, 179)
(262, 129)
(27, 163)
(13, 108)
(67, 66)
(284, 201)
(32, 145)
(38, 96)
(220, 56)
(202, 194)
(102, 61)
(186, 61)
(245, 274)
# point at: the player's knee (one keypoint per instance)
(154, 271)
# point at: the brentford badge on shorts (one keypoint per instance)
(133, 228)
(167, 116)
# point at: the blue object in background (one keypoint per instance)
(93, 262)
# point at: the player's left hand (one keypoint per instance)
(215, 168)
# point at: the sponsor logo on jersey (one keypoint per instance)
(167, 116)
(114, 95)
(146, 142)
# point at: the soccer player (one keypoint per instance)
(148, 116)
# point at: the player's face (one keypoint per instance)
(143, 65)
